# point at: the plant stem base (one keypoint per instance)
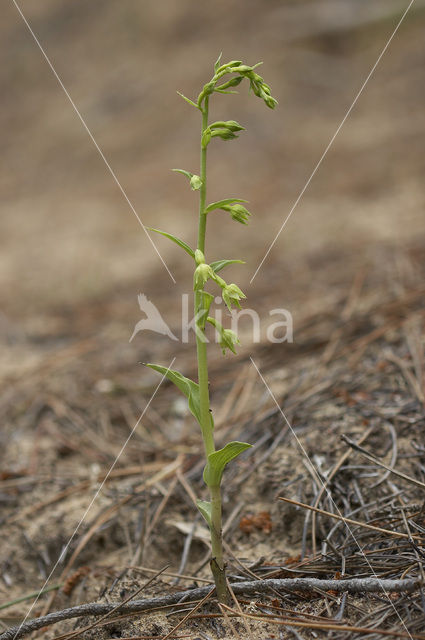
(219, 575)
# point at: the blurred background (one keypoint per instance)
(70, 239)
(349, 264)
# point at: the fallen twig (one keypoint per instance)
(353, 585)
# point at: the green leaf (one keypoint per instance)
(187, 100)
(217, 63)
(181, 244)
(188, 174)
(189, 388)
(205, 509)
(206, 300)
(194, 180)
(220, 203)
(217, 461)
(218, 265)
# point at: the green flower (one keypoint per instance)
(231, 295)
(202, 273)
(238, 212)
(226, 337)
(228, 340)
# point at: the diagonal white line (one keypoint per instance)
(65, 549)
(327, 492)
(102, 155)
(322, 157)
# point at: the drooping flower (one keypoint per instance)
(231, 295)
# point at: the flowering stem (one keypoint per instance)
(217, 562)
(203, 189)
(197, 394)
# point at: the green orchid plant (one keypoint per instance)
(225, 78)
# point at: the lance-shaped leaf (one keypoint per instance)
(189, 388)
(217, 62)
(194, 180)
(204, 307)
(205, 509)
(188, 100)
(218, 265)
(188, 174)
(217, 461)
(170, 236)
(221, 203)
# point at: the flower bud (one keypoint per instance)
(243, 68)
(234, 126)
(202, 273)
(206, 137)
(199, 257)
(234, 81)
(270, 102)
(208, 88)
(232, 63)
(195, 183)
(224, 134)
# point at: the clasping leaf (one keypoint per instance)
(188, 100)
(217, 461)
(218, 265)
(205, 509)
(187, 386)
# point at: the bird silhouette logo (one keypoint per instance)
(153, 320)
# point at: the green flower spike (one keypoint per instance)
(231, 295)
